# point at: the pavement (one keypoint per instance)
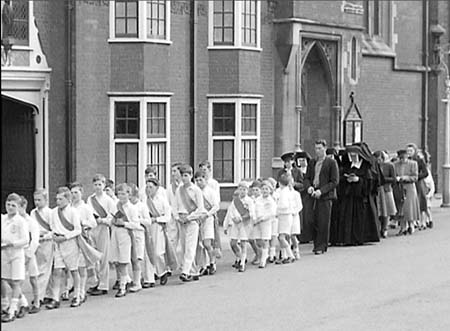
(402, 283)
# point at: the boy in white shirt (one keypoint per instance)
(125, 221)
(44, 252)
(207, 235)
(285, 211)
(265, 212)
(297, 208)
(104, 208)
(240, 216)
(88, 223)
(30, 260)
(274, 240)
(139, 236)
(14, 239)
(188, 207)
(66, 227)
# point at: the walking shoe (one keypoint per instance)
(52, 305)
(212, 268)
(89, 291)
(23, 310)
(185, 278)
(116, 285)
(121, 293)
(410, 230)
(146, 285)
(288, 260)
(430, 224)
(65, 296)
(241, 267)
(9, 317)
(235, 264)
(76, 302)
(279, 261)
(203, 272)
(34, 309)
(163, 279)
(271, 259)
(99, 292)
(196, 277)
(135, 288)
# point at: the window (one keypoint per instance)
(141, 137)
(373, 17)
(249, 22)
(140, 21)
(126, 18)
(156, 19)
(223, 22)
(15, 21)
(353, 59)
(234, 24)
(234, 143)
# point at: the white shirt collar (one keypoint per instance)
(357, 165)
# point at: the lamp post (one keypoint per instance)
(446, 165)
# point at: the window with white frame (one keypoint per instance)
(234, 143)
(140, 21)
(140, 138)
(234, 24)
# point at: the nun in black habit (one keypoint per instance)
(357, 222)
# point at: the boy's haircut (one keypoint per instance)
(243, 183)
(14, 197)
(268, 184)
(185, 169)
(284, 180)
(64, 190)
(134, 191)
(256, 183)
(41, 191)
(98, 177)
(199, 173)
(23, 202)
(75, 185)
(205, 163)
(322, 142)
(153, 180)
(123, 187)
(151, 170)
(176, 165)
(109, 183)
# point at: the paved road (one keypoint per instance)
(401, 284)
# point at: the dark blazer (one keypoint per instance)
(296, 175)
(328, 178)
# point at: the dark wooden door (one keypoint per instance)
(18, 150)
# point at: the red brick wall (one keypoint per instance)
(390, 103)
(50, 19)
(92, 83)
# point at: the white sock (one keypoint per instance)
(137, 278)
(5, 303)
(272, 252)
(264, 255)
(13, 306)
(23, 302)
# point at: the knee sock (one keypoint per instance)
(272, 252)
(13, 305)
(137, 278)
(264, 255)
(83, 280)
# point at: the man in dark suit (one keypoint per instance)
(321, 179)
(289, 168)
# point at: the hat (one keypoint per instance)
(353, 149)
(302, 155)
(401, 152)
(331, 151)
(287, 156)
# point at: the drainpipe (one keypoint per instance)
(70, 109)
(425, 102)
(193, 91)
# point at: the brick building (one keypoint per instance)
(111, 86)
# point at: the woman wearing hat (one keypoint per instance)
(406, 175)
(301, 160)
